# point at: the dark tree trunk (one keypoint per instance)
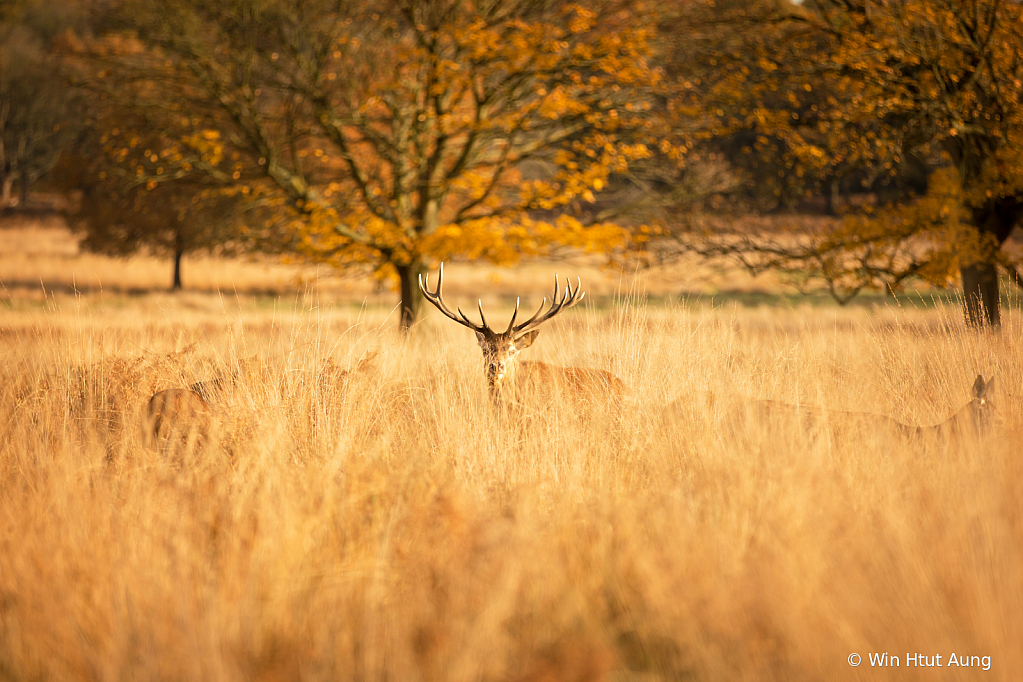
(980, 294)
(5, 190)
(178, 253)
(408, 275)
(995, 220)
(833, 196)
(24, 189)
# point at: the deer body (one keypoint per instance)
(970, 420)
(174, 412)
(188, 411)
(582, 382)
(812, 418)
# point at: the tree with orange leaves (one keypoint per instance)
(834, 87)
(390, 134)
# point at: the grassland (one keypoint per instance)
(389, 523)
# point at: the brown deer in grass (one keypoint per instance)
(188, 412)
(175, 413)
(505, 373)
(972, 419)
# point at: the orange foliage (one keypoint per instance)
(411, 133)
(816, 93)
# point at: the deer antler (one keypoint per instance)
(569, 298)
(437, 299)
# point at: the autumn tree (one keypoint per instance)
(872, 88)
(119, 213)
(392, 134)
(37, 118)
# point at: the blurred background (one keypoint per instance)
(705, 151)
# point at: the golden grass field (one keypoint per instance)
(391, 524)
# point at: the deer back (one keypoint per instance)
(174, 412)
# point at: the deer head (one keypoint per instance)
(500, 349)
(977, 414)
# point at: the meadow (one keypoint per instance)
(382, 520)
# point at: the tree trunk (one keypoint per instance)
(980, 294)
(408, 275)
(178, 253)
(995, 220)
(24, 189)
(5, 190)
(833, 196)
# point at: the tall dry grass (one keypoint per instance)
(390, 524)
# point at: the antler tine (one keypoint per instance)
(578, 290)
(515, 313)
(526, 325)
(479, 306)
(568, 299)
(437, 299)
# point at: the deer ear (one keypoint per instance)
(481, 339)
(985, 390)
(979, 387)
(526, 340)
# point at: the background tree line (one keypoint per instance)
(393, 135)
(915, 101)
(37, 110)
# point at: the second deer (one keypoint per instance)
(971, 420)
(505, 373)
(175, 414)
(186, 414)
